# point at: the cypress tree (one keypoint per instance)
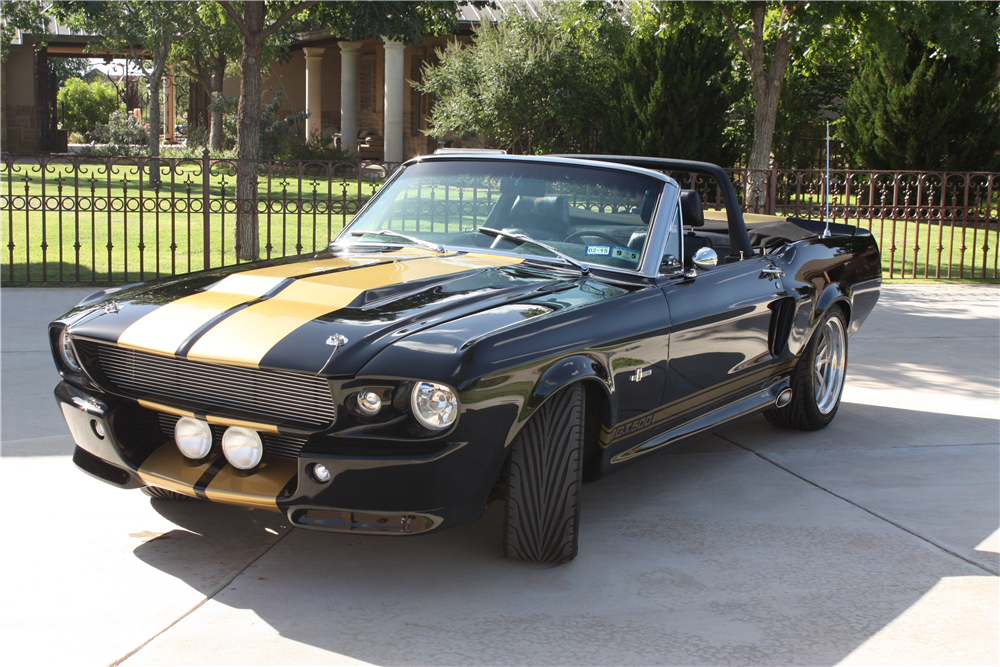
(925, 111)
(673, 98)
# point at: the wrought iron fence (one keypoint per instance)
(928, 224)
(75, 219)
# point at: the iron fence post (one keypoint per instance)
(772, 189)
(206, 230)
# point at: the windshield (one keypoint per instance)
(593, 215)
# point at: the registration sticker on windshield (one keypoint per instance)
(625, 253)
(599, 250)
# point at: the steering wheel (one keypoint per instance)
(575, 235)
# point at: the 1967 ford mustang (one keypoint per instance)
(488, 327)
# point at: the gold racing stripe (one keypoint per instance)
(167, 468)
(164, 330)
(259, 488)
(244, 338)
(211, 419)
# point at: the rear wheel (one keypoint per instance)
(819, 379)
(544, 476)
(164, 494)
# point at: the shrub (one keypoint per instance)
(317, 148)
(927, 110)
(121, 130)
(85, 104)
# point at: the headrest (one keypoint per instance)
(551, 211)
(691, 208)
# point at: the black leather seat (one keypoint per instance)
(694, 216)
(541, 217)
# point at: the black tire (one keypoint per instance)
(544, 476)
(814, 404)
(164, 494)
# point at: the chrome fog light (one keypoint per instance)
(321, 472)
(434, 405)
(193, 437)
(369, 403)
(242, 447)
(67, 353)
(98, 428)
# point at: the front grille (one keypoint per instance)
(281, 446)
(288, 397)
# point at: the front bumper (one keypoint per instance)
(118, 442)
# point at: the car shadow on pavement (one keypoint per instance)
(710, 555)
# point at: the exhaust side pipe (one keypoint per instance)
(783, 399)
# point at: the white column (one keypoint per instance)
(314, 90)
(169, 110)
(349, 95)
(394, 101)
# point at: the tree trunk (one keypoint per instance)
(155, 88)
(215, 135)
(248, 137)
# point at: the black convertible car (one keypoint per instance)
(487, 328)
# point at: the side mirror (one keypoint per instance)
(705, 259)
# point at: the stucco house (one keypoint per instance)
(356, 90)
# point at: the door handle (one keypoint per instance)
(772, 271)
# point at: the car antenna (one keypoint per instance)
(826, 230)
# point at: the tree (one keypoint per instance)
(206, 54)
(933, 111)
(766, 36)
(83, 104)
(927, 92)
(25, 15)
(121, 27)
(260, 21)
(529, 84)
(255, 28)
(674, 90)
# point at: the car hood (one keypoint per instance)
(327, 315)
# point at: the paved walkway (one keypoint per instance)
(874, 541)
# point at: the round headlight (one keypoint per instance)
(67, 352)
(434, 405)
(193, 437)
(369, 403)
(242, 447)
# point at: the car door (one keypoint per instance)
(720, 348)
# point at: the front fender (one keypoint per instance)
(557, 376)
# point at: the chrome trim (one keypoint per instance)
(705, 259)
(659, 228)
(292, 397)
(649, 264)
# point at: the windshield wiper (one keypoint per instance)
(524, 238)
(413, 239)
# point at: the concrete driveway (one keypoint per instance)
(872, 542)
